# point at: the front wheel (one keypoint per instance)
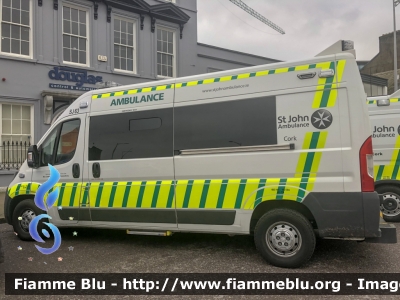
(285, 238)
(390, 206)
(23, 214)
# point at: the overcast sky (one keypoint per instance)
(310, 26)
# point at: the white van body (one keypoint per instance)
(226, 152)
(384, 112)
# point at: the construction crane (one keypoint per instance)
(256, 15)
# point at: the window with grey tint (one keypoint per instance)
(15, 27)
(74, 35)
(144, 124)
(60, 145)
(141, 134)
(124, 50)
(165, 53)
(249, 122)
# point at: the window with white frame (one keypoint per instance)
(124, 45)
(75, 35)
(16, 27)
(15, 123)
(165, 53)
(15, 134)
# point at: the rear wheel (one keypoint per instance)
(23, 214)
(285, 238)
(390, 206)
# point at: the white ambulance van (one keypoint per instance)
(384, 114)
(282, 151)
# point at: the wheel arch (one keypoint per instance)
(387, 182)
(266, 206)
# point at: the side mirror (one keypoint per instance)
(33, 157)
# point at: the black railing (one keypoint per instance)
(13, 154)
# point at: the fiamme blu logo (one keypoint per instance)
(45, 205)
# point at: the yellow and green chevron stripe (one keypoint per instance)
(134, 91)
(207, 194)
(326, 93)
(323, 83)
(392, 100)
(308, 164)
(69, 193)
(390, 171)
(24, 188)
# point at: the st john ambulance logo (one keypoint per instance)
(321, 119)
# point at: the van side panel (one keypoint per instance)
(240, 138)
(307, 116)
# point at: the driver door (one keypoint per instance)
(63, 149)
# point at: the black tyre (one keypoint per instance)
(390, 207)
(285, 238)
(26, 210)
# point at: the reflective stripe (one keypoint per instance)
(199, 193)
(308, 164)
(392, 100)
(326, 91)
(390, 171)
(321, 81)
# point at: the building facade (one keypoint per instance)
(52, 51)
(382, 64)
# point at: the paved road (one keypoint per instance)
(2, 196)
(114, 251)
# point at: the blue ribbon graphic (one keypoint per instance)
(39, 201)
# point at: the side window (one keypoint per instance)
(248, 122)
(67, 141)
(132, 135)
(47, 148)
(62, 141)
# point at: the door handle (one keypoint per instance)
(76, 170)
(96, 170)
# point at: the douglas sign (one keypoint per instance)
(80, 77)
